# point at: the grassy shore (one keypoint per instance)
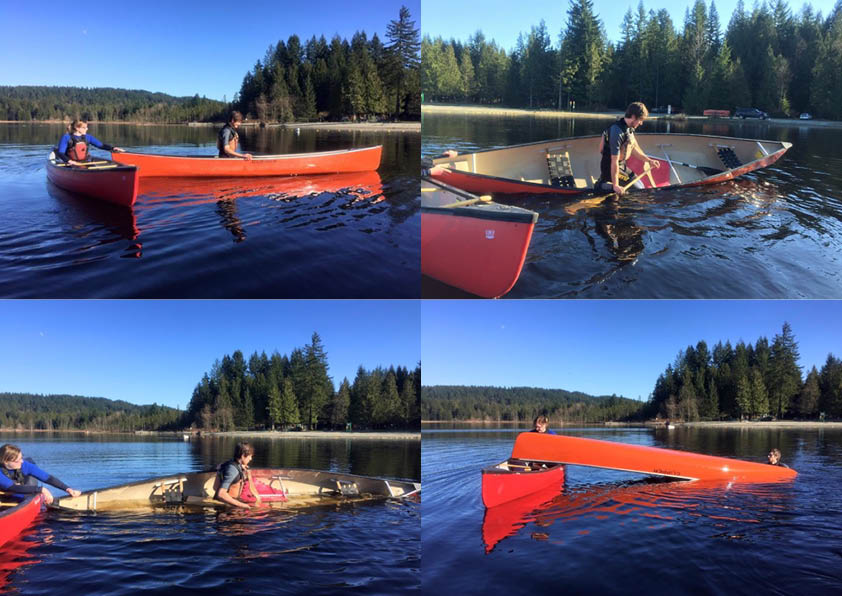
(501, 111)
(806, 424)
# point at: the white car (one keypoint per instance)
(806, 116)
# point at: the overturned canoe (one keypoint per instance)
(301, 487)
(572, 166)
(515, 478)
(14, 517)
(470, 242)
(102, 179)
(538, 447)
(292, 164)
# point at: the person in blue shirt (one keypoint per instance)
(540, 425)
(19, 477)
(73, 148)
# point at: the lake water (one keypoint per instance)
(775, 233)
(607, 532)
(351, 236)
(369, 547)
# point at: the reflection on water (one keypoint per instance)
(192, 238)
(366, 546)
(774, 233)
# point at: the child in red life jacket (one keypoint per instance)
(73, 146)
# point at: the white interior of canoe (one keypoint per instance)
(301, 487)
(529, 163)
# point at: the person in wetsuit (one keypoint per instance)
(228, 138)
(616, 145)
(232, 474)
(775, 458)
(73, 148)
(19, 477)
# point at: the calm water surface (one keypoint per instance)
(351, 236)
(776, 233)
(360, 548)
(607, 532)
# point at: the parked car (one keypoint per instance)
(750, 113)
(806, 116)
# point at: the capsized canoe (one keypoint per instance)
(303, 488)
(292, 164)
(571, 166)
(101, 179)
(15, 517)
(516, 478)
(470, 243)
(645, 460)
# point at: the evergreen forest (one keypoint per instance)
(295, 391)
(24, 411)
(766, 57)
(521, 404)
(295, 81)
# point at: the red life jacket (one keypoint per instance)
(77, 150)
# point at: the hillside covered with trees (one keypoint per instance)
(26, 411)
(746, 381)
(521, 404)
(361, 79)
(29, 103)
(766, 57)
(287, 391)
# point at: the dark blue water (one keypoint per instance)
(359, 548)
(608, 532)
(775, 233)
(355, 236)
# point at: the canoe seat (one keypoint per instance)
(728, 157)
(561, 173)
(347, 488)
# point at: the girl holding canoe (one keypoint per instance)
(20, 476)
(73, 146)
(234, 484)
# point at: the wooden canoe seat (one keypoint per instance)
(561, 172)
(347, 488)
(728, 157)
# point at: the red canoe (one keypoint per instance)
(293, 164)
(104, 180)
(516, 478)
(471, 243)
(571, 166)
(13, 519)
(645, 460)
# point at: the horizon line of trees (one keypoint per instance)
(766, 58)
(296, 391)
(745, 382)
(521, 404)
(28, 103)
(318, 80)
(28, 411)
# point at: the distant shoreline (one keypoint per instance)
(260, 434)
(372, 126)
(501, 111)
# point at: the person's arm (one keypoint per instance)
(253, 488)
(30, 469)
(636, 149)
(100, 145)
(614, 144)
(222, 495)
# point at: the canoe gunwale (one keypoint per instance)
(497, 184)
(278, 157)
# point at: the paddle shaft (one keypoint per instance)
(646, 169)
(705, 169)
(482, 199)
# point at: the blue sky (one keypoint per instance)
(603, 347)
(176, 47)
(502, 20)
(157, 351)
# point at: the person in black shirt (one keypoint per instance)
(616, 145)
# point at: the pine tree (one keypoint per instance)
(289, 405)
(404, 46)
